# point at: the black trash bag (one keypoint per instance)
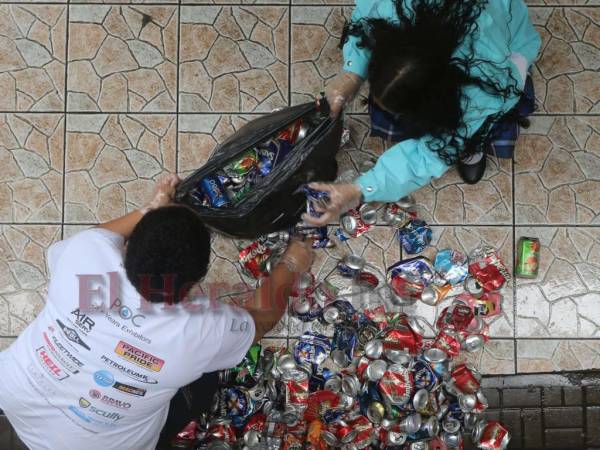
(273, 203)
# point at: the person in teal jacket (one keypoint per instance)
(442, 71)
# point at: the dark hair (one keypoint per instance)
(415, 73)
(169, 245)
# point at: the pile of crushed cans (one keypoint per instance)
(381, 381)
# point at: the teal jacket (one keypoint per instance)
(504, 29)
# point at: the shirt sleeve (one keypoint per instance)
(236, 329)
(402, 169)
(525, 40)
(356, 59)
(56, 250)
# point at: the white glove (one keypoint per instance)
(164, 191)
(341, 90)
(342, 197)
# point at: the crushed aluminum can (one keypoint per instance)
(373, 349)
(396, 385)
(333, 384)
(424, 376)
(467, 402)
(473, 343)
(353, 225)
(491, 436)
(410, 424)
(350, 385)
(376, 412)
(368, 213)
(415, 236)
(466, 379)
(394, 216)
(473, 287)
(451, 265)
(432, 295)
(376, 369)
(486, 266)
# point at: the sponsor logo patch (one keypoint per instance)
(130, 389)
(72, 335)
(49, 365)
(82, 321)
(104, 378)
(62, 354)
(131, 373)
(138, 356)
(114, 416)
(97, 395)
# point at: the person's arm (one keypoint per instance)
(343, 88)
(163, 196)
(270, 300)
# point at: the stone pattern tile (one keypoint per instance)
(316, 58)
(112, 161)
(199, 134)
(557, 171)
(552, 355)
(32, 60)
(123, 1)
(233, 58)
(467, 239)
(448, 200)
(566, 74)
(123, 59)
(229, 2)
(563, 301)
(23, 274)
(5, 343)
(496, 358)
(31, 155)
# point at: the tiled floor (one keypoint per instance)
(98, 100)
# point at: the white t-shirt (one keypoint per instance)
(79, 378)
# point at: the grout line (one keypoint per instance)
(514, 283)
(178, 68)
(584, 407)
(325, 5)
(65, 108)
(289, 101)
(206, 113)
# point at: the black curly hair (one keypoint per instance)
(416, 74)
(167, 251)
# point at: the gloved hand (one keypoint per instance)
(164, 192)
(299, 256)
(341, 90)
(342, 197)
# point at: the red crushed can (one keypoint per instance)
(253, 259)
(320, 402)
(222, 429)
(457, 317)
(256, 422)
(491, 436)
(402, 338)
(397, 385)
(296, 387)
(466, 379)
(187, 436)
(448, 341)
(364, 432)
(487, 267)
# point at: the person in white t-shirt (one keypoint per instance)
(98, 366)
